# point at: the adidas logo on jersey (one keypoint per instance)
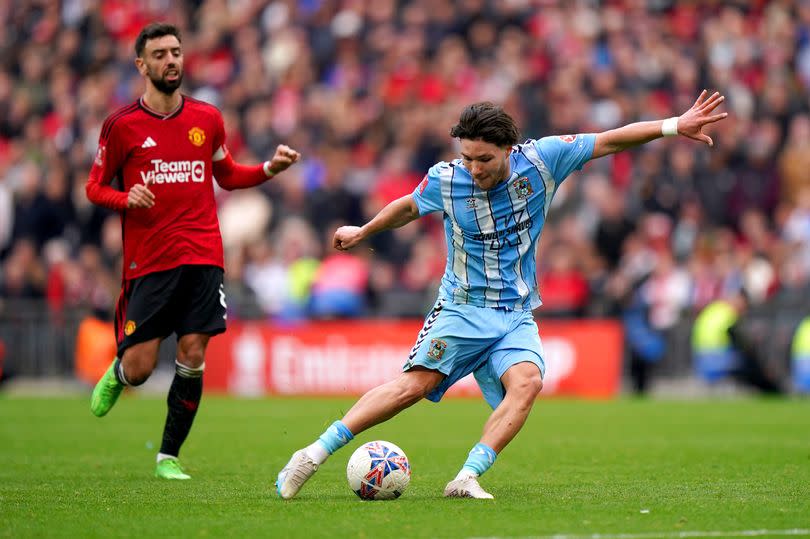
(148, 143)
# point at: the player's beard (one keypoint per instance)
(166, 86)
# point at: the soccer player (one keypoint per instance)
(164, 151)
(494, 202)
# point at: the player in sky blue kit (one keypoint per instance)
(494, 201)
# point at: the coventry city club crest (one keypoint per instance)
(436, 350)
(523, 187)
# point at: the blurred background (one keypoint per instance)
(646, 240)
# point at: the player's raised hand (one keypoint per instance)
(140, 196)
(283, 158)
(347, 237)
(691, 122)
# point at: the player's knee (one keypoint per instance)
(137, 368)
(192, 358)
(527, 387)
(191, 352)
(411, 391)
(136, 373)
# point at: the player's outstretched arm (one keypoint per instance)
(396, 214)
(231, 175)
(689, 124)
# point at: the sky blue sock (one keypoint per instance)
(335, 437)
(479, 460)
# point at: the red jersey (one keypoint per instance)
(174, 154)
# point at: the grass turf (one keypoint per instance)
(618, 467)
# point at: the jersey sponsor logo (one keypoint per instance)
(506, 226)
(436, 350)
(129, 328)
(196, 136)
(149, 143)
(523, 187)
(174, 172)
(423, 185)
(568, 138)
(102, 150)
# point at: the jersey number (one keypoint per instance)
(222, 300)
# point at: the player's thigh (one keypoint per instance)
(419, 380)
(145, 309)
(520, 344)
(140, 360)
(201, 307)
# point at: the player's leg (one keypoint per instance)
(522, 383)
(132, 369)
(182, 403)
(140, 326)
(387, 400)
(375, 406)
(442, 355)
(510, 381)
(199, 312)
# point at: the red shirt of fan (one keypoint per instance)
(173, 154)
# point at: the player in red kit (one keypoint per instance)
(163, 152)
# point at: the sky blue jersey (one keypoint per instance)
(492, 235)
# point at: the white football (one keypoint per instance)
(378, 471)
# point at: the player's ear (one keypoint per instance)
(140, 65)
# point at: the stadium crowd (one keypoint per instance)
(367, 91)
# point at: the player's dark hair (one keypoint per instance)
(153, 31)
(488, 122)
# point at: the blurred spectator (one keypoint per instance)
(339, 288)
(562, 285)
(367, 91)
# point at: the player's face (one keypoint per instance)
(487, 163)
(162, 62)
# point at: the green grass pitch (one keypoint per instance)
(626, 468)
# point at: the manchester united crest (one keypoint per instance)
(523, 187)
(129, 327)
(436, 350)
(196, 136)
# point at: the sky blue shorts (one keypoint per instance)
(457, 340)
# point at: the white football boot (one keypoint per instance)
(293, 476)
(466, 488)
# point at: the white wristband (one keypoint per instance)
(669, 127)
(267, 171)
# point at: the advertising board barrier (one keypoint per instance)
(583, 358)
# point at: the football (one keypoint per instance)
(378, 471)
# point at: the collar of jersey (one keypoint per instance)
(158, 115)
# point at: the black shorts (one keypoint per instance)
(182, 300)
